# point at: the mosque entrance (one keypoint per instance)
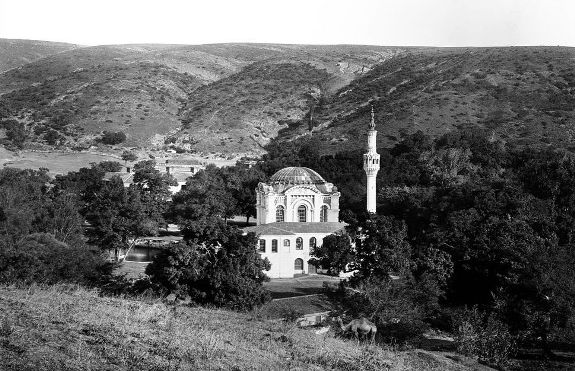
(298, 266)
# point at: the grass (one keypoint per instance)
(56, 162)
(71, 328)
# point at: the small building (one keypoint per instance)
(296, 209)
(180, 170)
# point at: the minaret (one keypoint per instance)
(371, 164)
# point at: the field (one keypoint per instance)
(56, 162)
(70, 328)
(64, 162)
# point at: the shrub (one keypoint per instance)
(15, 132)
(129, 156)
(227, 276)
(108, 166)
(484, 336)
(109, 137)
(398, 308)
(41, 258)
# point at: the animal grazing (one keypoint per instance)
(359, 327)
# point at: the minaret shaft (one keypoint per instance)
(371, 165)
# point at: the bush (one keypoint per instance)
(227, 276)
(112, 138)
(15, 132)
(108, 166)
(484, 336)
(398, 308)
(41, 258)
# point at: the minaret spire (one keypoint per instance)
(371, 164)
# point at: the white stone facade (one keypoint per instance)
(290, 191)
(296, 209)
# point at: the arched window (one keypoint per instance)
(312, 243)
(323, 214)
(302, 214)
(299, 243)
(263, 245)
(274, 245)
(286, 243)
(298, 264)
(280, 212)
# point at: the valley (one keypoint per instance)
(231, 100)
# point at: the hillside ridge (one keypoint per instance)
(233, 99)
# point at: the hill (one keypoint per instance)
(524, 95)
(235, 98)
(16, 53)
(149, 91)
(67, 327)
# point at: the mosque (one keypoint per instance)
(297, 208)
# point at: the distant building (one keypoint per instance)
(181, 170)
(296, 209)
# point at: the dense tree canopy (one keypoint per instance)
(228, 274)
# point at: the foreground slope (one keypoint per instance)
(16, 53)
(74, 329)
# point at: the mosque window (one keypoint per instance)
(274, 245)
(286, 243)
(299, 243)
(298, 264)
(302, 214)
(312, 242)
(262, 245)
(280, 212)
(323, 214)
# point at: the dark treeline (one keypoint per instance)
(79, 226)
(464, 220)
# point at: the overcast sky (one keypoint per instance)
(378, 22)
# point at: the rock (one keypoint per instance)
(170, 299)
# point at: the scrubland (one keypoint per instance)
(67, 327)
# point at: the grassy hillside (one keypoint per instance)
(525, 95)
(147, 91)
(16, 53)
(81, 93)
(69, 328)
(233, 98)
(249, 106)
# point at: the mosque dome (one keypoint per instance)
(295, 176)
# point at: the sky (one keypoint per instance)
(367, 22)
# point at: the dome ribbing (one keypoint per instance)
(296, 175)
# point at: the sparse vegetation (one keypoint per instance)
(72, 328)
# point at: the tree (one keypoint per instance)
(41, 258)
(207, 194)
(230, 275)
(244, 190)
(119, 216)
(334, 254)
(52, 137)
(24, 197)
(15, 132)
(381, 248)
(112, 138)
(129, 156)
